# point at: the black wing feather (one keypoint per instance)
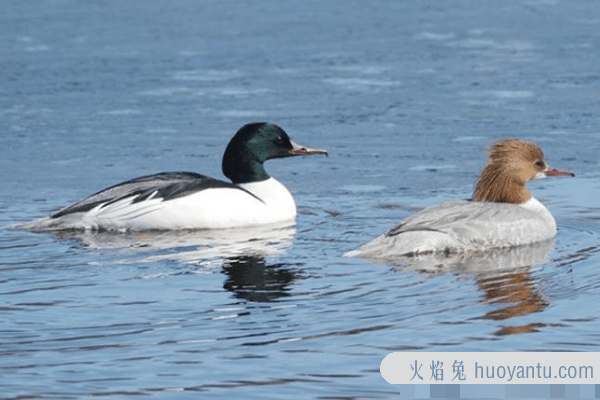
(166, 185)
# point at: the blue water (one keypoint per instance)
(405, 96)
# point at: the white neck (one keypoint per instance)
(275, 196)
(537, 207)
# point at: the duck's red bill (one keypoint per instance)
(558, 172)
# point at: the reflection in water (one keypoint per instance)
(241, 251)
(251, 279)
(516, 289)
(503, 275)
(189, 246)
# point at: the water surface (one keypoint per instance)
(404, 95)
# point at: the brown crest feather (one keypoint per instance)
(504, 177)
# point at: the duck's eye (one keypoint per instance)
(539, 164)
(279, 139)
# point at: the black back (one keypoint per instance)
(166, 185)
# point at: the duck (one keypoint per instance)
(501, 213)
(188, 200)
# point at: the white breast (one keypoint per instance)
(278, 201)
(548, 225)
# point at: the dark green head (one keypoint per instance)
(254, 144)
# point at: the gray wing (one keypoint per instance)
(166, 185)
(444, 217)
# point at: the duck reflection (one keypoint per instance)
(517, 290)
(188, 246)
(241, 252)
(250, 278)
(502, 275)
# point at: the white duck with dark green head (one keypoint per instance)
(502, 213)
(186, 200)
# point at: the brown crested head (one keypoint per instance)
(511, 164)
